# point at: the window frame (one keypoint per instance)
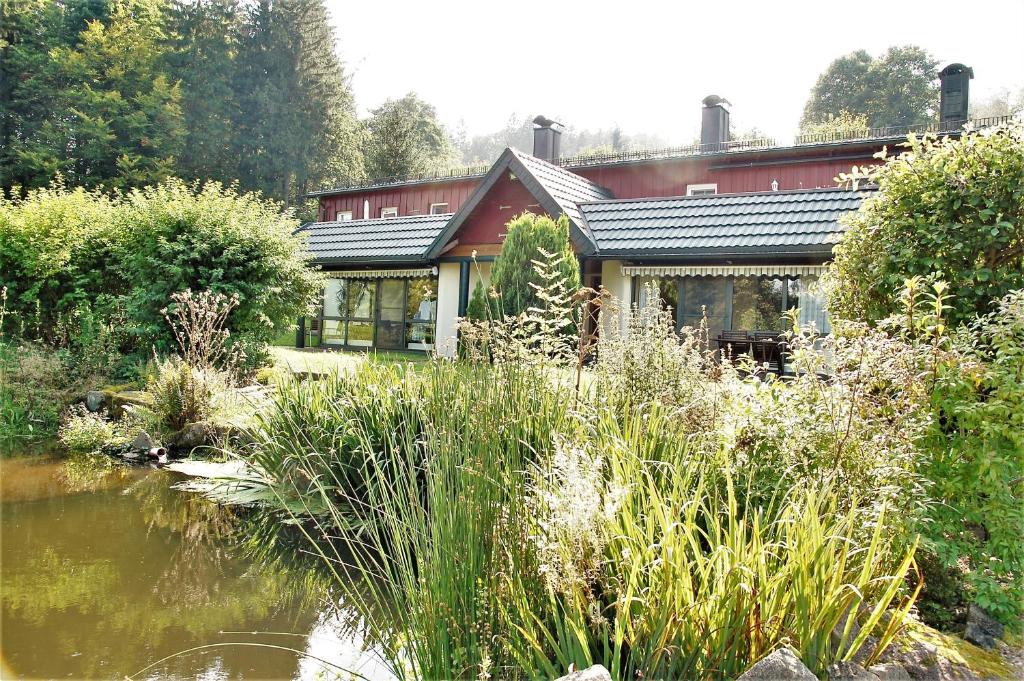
(702, 189)
(346, 316)
(338, 216)
(392, 212)
(440, 212)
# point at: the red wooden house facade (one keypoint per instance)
(736, 229)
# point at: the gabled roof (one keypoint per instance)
(401, 239)
(804, 222)
(557, 190)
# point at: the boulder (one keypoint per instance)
(781, 665)
(126, 399)
(595, 673)
(982, 630)
(889, 671)
(849, 671)
(922, 662)
(95, 400)
(196, 435)
(142, 442)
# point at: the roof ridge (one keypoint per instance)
(780, 192)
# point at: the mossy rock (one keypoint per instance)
(120, 400)
(949, 651)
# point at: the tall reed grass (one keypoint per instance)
(492, 525)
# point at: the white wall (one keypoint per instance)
(618, 285)
(446, 341)
(484, 274)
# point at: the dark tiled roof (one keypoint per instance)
(796, 222)
(401, 239)
(567, 188)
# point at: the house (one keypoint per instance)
(736, 230)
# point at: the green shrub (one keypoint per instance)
(34, 389)
(80, 264)
(975, 458)
(950, 210)
(532, 238)
(83, 432)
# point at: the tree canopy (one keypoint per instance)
(897, 88)
(946, 209)
(406, 138)
(126, 93)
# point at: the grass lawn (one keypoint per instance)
(324, 361)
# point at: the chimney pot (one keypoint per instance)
(714, 123)
(955, 82)
(546, 138)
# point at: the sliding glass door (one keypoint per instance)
(390, 313)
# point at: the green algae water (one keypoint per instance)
(103, 574)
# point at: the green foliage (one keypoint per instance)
(126, 93)
(895, 89)
(406, 138)
(558, 539)
(514, 276)
(950, 210)
(976, 458)
(83, 268)
(477, 309)
(33, 391)
(843, 125)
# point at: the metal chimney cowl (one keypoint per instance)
(714, 123)
(954, 101)
(546, 139)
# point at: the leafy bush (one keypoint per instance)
(950, 210)
(83, 432)
(33, 391)
(77, 262)
(514, 276)
(186, 388)
(179, 237)
(976, 458)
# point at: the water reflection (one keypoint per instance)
(104, 575)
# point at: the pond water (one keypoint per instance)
(104, 575)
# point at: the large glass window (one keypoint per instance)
(705, 296)
(421, 313)
(387, 313)
(757, 303)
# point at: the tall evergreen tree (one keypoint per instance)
(96, 104)
(298, 127)
(206, 36)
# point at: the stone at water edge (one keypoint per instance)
(982, 630)
(781, 665)
(595, 673)
(849, 671)
(142, 442)
(890, 671)
(95, 400)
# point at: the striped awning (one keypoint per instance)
(722, 270)
(412, 273)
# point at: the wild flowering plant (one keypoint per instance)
(185, 388)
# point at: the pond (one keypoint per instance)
(103, 575)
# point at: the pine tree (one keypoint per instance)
(298, 128)
(206, 36)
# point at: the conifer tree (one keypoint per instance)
(529, 237)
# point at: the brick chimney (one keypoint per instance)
(714, 123)
(546, 138)
(955, 82)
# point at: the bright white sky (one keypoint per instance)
(646, 65)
